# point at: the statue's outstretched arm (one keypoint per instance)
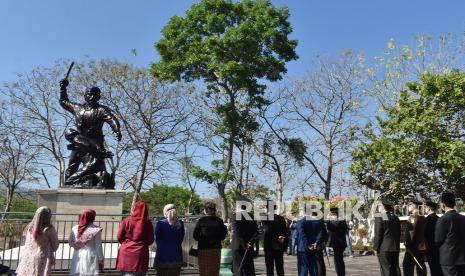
(113, 122)
(64, 100)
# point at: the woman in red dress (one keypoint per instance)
(135, 235)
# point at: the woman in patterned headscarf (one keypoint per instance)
(86, 239)
(135, 235)
(37, 256)
(169, 234)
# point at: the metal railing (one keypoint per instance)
(12, 225)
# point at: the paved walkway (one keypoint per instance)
(360, 266)
(357, 266)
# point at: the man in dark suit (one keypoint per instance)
(433, 252)
(337, 230)
(450, 238)
(275, 242)
(309, 237)
(321, 250)
(245, 231)
(386, 242)
(415, 242)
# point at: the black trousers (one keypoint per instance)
(274, 258)
(409, 264)
(320, 262)
(433, 263)
(389, 263)
(248, 268)
(339, 261)
(257, 247)
(453, 270)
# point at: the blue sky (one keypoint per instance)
(40, 32)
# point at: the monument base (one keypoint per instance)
(67, 205)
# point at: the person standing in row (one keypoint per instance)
(245, 232)
(274, 241)
(169, 234)
(415, 243)
(37, 257)
(135, 235)
(432, 254)
(209, 232)
(386, 242)
(450, 238)
(320, 250)
(292, 241)
(310, 233)
(337, 231)
(86, 239)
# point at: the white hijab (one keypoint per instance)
(170, 213)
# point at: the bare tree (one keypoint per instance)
(275, 160)
(35, 96)
(17, 157)
(187, 165)
(323, 110)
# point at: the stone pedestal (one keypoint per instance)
(67, 205)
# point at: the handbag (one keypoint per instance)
(194, 252)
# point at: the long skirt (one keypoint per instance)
(209, 262)
(172, 271)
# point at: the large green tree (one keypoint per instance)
(420, 145)
(234, 47)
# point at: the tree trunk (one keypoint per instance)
(224, 203)
(329, 175)
(189, 203)
(141, 177)
(279, 195)
(222, 186)
(61, 173)
(9, 199)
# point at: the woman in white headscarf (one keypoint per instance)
(37, 257)
(169, 234)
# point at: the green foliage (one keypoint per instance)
(20, 203)
(419, 147)
(214, 177)
(237, 42)
(231, 46)
(160, 195)
(294, 147)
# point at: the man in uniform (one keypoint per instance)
(450, 238)
(415, 243)
(432, 254)
(386, 242)
(275, 241)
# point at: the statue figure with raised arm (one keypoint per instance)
(86, 166)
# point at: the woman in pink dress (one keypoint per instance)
(37, 257)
